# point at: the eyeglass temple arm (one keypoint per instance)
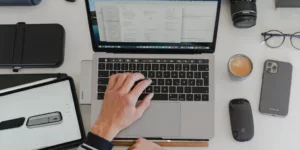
(271, 35)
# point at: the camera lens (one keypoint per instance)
(269, 64)
(269, 69)
(244, 13)
(274, 67)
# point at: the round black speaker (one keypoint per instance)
(244, 13)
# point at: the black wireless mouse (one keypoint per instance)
(241, 119)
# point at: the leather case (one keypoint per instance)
(12, 80)
(31, 46)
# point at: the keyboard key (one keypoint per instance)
(170, 67)
(178, 67)
(100, 96)
(187, 90)
(120, 71)
(157, 89)
(161, 81)
(172, 89)
(154, 82)
(197, 97)
(145, 73)
(103, 81)
(173, 97)
(142, 97)
(186, 67)
(140, 67)
(101, 66)
(176, 82)
(164, 89)
(183, 81)
(200, 89)
(149, 89)
(101, 89)
(203, 67)
(168, 81)
(174, 74)
(109, 66)
(197, 74)
(132, 67)
(189, 97)
(199, 82)
(112, 73)
(181, 97)
(189, 75)
(163, 67)
(117, 66)
(179, 89)
(160, 97)
(103, 73)
(205, 76)
(167, 74)
(191, 82)
(147, 66)
(124, 67)
(181, 74)
(159, 74)
(193, 67)
(206, 82)
(204, 97)
(151, 74)
(155, 67)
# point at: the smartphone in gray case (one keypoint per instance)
(276, 87)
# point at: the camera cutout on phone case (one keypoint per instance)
(272, 67)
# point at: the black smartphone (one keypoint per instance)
(241, 119)
(276, 88)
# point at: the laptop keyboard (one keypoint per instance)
(172, 79)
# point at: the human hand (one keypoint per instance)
(119, 108)
(142, 144)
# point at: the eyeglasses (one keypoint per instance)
(275, 39)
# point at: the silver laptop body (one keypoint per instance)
(164, 120)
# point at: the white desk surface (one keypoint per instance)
(271, 133)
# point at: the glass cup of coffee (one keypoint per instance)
(240, 66)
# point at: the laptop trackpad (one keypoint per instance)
(160, 120)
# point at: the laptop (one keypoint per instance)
(171, 42)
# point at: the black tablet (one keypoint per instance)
(50, 117)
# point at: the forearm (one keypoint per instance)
(94, 142)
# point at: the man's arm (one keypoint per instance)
(95, 142)
(119, 109)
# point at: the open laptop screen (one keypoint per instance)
(154, 24)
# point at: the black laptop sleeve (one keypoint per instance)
(31, 45)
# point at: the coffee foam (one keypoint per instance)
(240, 66)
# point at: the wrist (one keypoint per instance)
(105, 130)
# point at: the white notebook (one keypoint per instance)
(50, 116)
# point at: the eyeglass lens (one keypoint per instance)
(274, 38)
(295, 40)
